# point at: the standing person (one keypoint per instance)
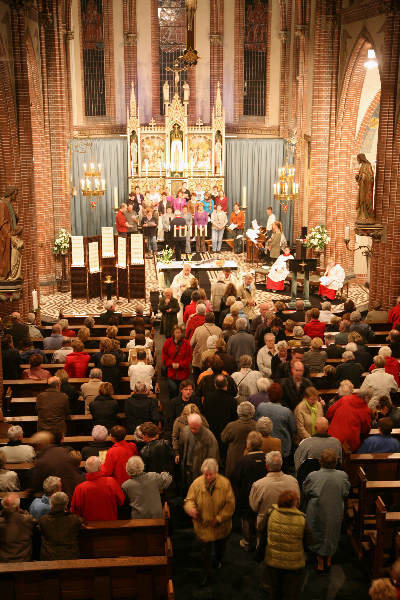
(196, 443)
(52, 407)
(306, 414)
(166, 224)
(325, 491)
(104, 408)
(235, 435)
(178, 229)
(237, 218)
(189, 221)
(169, 308)
(279, 271)
(285, 560)
(176, 356)
(149, 225)
(59, 529)
(143, 490)
(218, 223)
(77, 361)
(247, 292)
(350, 420)
(132, 219)
(210, 502)
(17, 531)
(274, 242)
(222, 201)
(179, 202)
(200, 220)
(118, 455)
(121, 222)
(270, 220)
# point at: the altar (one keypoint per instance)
(163, 155)
(200, 269)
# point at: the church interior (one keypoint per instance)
(193, 176)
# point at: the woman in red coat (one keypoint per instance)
(176, 355)
(77, 361)
(350, 420)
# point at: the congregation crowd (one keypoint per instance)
(241, 430)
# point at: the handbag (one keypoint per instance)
(164, 368)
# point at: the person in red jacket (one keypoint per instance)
(121, 222)
(176, 355)
(77, 361)
(98, 497)
(392, 365)
(221, 200)
(394, 314)
(350, 420)
(195, 320)
(190, 308)
(118, 455)
(314, 328)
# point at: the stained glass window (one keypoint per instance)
(93, 57)
(172, 22)
(255, 57)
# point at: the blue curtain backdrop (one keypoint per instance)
(112, 153)
(254, 163)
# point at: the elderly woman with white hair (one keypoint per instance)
(269, 444)
(9, 481)
(349, 369)
(196, 443)
(364, 329)
(378, 381)
(41, 506)
(210, 502)
(99, 445)
(265, 354)
(60, 530)
(263, 383)
(235, 435)
(17, 530)
(246, 378)
(143, 490)
(392, 365)
(15, 450)
(315, 358)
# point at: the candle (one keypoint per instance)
(92, 166)
(99, 166)
(103, 184)
(347, 233)
(84, 166)
(174, 230)
(35, 300)
(244, 198)
(82, 184)
(116, 202)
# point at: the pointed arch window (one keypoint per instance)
(255, 57)
(93, 57)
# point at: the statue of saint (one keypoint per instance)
(218, 156)
(365, 180)
(17, 245)
(8, 224)
(134, 149)
(177, 163)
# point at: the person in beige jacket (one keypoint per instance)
(247, 292)
(210, 502)
(90, 389)
(306, 413)
(198, 341)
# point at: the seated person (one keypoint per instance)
(59, 356)
(9, 481)
(110, 371)
(141, 371)
(90, 389)
(99, 445)
(77, 361)
(10, 358)
(15, 450)
(41, 506)
(65, 331)
(27, 349)
(17, 530)
(67, 388)
(383, 441)
(35, 370)
(105, 408)
(60, 530)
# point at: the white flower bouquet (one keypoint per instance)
(165, 256)
(318, 238)
(61, 242)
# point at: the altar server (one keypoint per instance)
(332, 280)
(178, 229)
(279, 271)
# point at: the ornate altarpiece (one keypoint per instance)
(166, 155)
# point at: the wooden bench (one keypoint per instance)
(377, 467)
(139, 578)
(75, 423)
(383, 538)
(76, 441)
(130, 537)
(20, 386)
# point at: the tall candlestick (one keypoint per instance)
(116, 202)
(35, 300)
(244, 197)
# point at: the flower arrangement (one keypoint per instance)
(318, 238)
(61, 242)
(165, 256)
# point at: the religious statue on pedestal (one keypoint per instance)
(218, 154)
(365, 180)
(8, 230)
(177, 162)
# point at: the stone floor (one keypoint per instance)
(52, 304)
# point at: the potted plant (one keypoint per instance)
(61, 248)
(165, 256)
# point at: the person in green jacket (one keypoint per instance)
(284, 562)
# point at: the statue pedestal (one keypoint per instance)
(373, 230)
(11, 290)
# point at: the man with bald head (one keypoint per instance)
(52, 407)
(313, 446)
(294, 386)
(259, 319)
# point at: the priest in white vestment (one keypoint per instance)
(279, 271)
(332, 280)
(180, 283)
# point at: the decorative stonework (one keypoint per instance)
(130, 39)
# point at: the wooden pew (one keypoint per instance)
(20, 386)
(139, 578)
(131, 537)
(377, 467)
(382, 540)
(75, 423)
(76, 441)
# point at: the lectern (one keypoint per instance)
(301, 265)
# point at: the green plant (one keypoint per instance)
(165, 256)
(61, 242)
(318, 238)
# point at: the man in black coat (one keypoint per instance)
(294, 386)
(332, 349)
(140, 408)
(178, 229)
(104, 317)
(299, 316)
(18, 329)
(157, 454)
(175, 406)
(284, 369)
(219, 408)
